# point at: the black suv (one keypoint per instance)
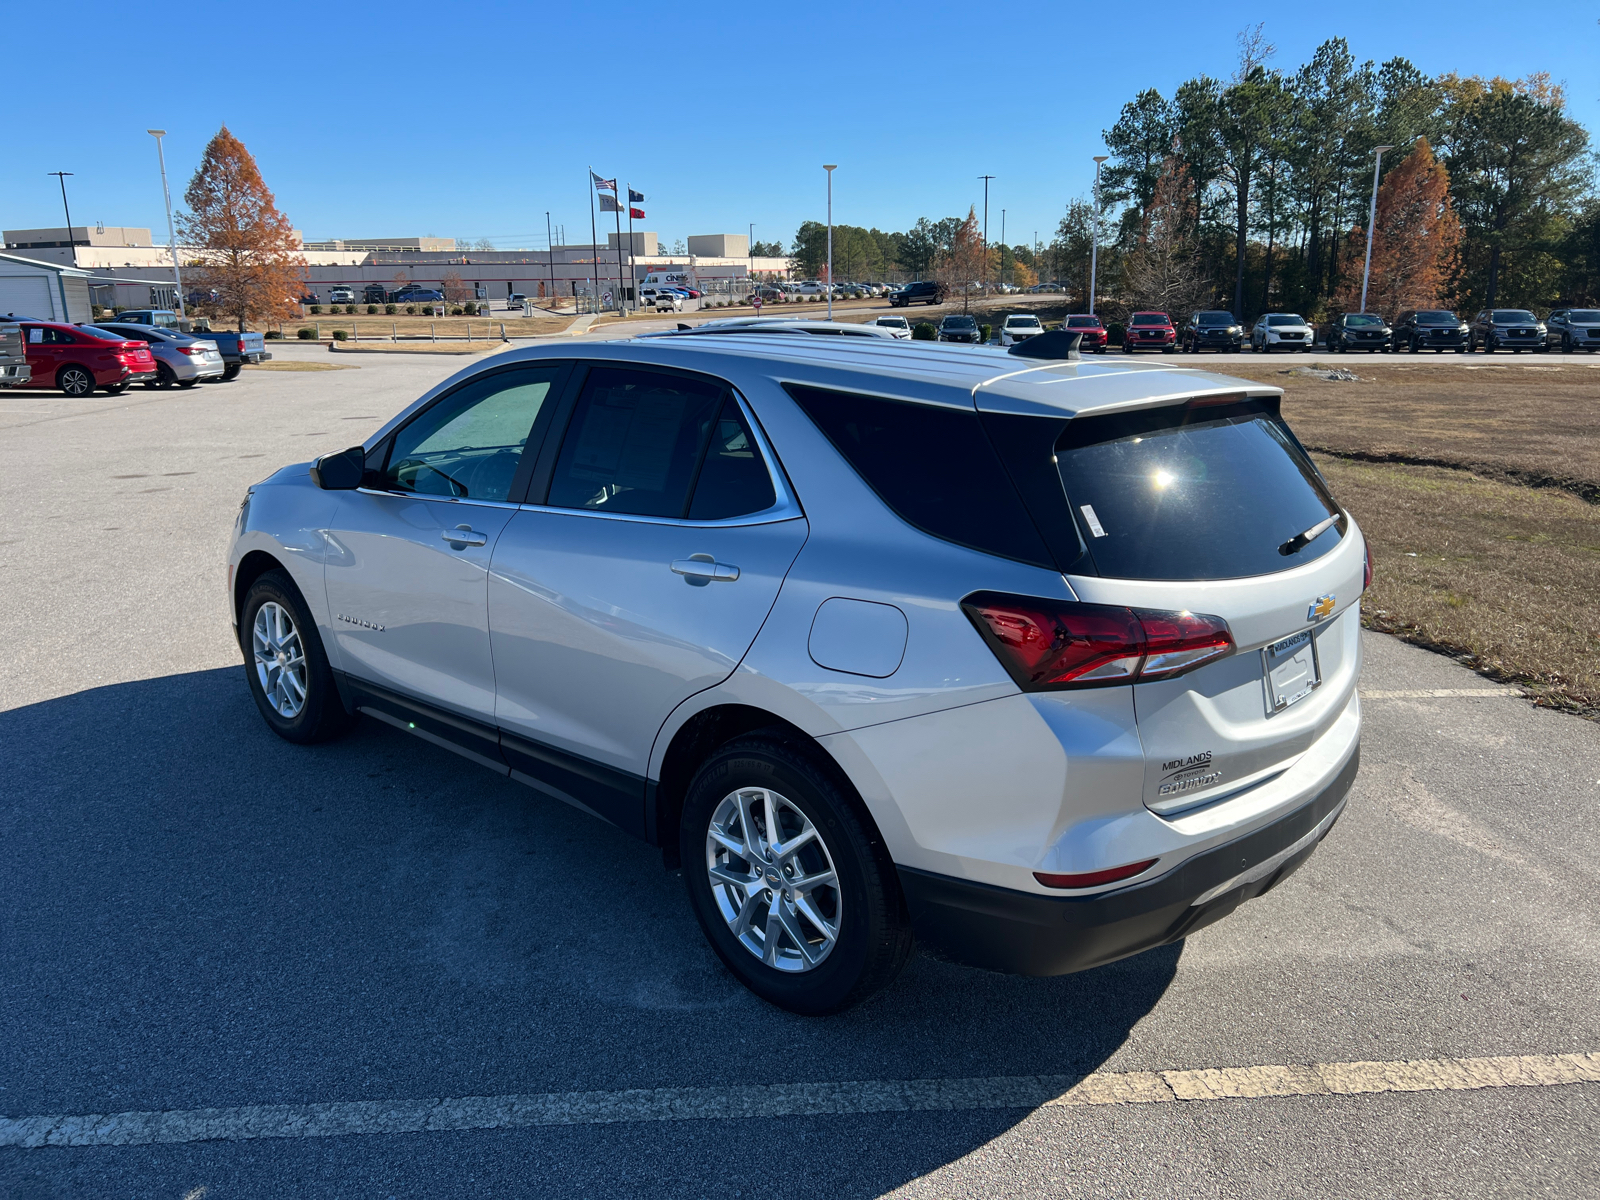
(926, 292)
(1574, 329)
(1514, 329)
(958, 328)
(1359, 331)
(1435, 329)
(374, 293)
(1212, 331)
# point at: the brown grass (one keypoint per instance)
(453, 327)
(285, 365)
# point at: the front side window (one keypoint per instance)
(634, 443)
(468, 446)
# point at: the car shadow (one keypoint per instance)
(199, 914)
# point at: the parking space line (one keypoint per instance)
(801, 1099)
(1437, 693)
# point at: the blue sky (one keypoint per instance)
(722, 114)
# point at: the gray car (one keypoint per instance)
(1044, 662)
(1514, 329)
(1569, 329)
(181, 358)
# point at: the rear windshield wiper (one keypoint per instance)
(1301, 540)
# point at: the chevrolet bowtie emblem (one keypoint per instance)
(1321, 609)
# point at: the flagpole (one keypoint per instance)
(633, 271)
(594, 247)
(622, 296)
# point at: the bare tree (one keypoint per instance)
(1163, 273)
(455, 291)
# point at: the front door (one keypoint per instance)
(408, 557)
(642, 579)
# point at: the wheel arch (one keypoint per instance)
(252, 567)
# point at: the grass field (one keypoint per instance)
(1479, 489)
(426, 327)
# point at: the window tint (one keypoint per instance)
(734, 481)
(1216, 318)
(1503, 316)
(1586, 316)
(634, 442)
(933, 466)
(1150, 319)
(1277, 319)
(107, 335)
(1436, 318)
(1204, 493)
(469, 444)
(1083, 322)
(1362, 320)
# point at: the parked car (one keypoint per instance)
(1212, 330)
(374, 293)
(1149, 331)
(237, 348)
(76, 359)
(898, 326)
(1019, 327)
(309, 297)
(777, 325)
(1514, 329)
(958, 327)
(855, 708)
(924, 292)
(1569, 329)
(1093, 333)
(1429, 329)
(181, 358)
(1359, 331)
(1281, 331)
(1005, 289)
(515, 300)
(811, 287)
(418, 295)
(161, 318)
(342, 295)
(14, 368)
(666, 301)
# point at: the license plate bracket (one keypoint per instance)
(1290, 671)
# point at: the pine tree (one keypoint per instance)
(1415, 240)
(249, 255)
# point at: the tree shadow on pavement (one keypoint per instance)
(198, 914)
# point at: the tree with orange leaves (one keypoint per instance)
(249, 255)
(965, 264)
(1415, 240)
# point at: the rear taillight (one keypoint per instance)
(1050, 644)
(1366, 567)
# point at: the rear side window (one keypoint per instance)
(933, 466)
(733, 478)
(1195, 493)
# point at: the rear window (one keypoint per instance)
(932, 466)
(1195, 493)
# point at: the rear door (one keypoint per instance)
(662, 536)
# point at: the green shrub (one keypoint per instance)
(316, 309)
(350, 309)
(339, 335)
(983, 332)
(273, 335)
(457, 311)
(472, 309)
(305, 335)
(923, 331)
(411, 310)
(1114, 333)
(388, 310)
(372, 310)
(427, 310)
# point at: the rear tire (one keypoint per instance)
(164, 376)
(287, 668)
(231, 372)
(75, 380)
(833, 943)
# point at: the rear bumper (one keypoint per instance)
(1027, 934)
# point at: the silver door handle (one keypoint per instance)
(465, 535)
(704, 568)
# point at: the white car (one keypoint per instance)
(666, 302)
(898, 326)
(342, 295)
(1282, 331)
(810, 287)
(1019, 327)
(1043, 662)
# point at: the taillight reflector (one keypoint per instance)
(1052, 644)
(1095, 878)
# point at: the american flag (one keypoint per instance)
(603, 185)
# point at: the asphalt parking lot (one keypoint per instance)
(366, 969)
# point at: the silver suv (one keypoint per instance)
(1046, 662)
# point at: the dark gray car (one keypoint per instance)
(1569, 329)
(181, 358)
(1435, 329)
(1514, 329)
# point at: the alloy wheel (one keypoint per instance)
(75, 381)
(280, 659)
(773, 879)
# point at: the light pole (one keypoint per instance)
(172, 237)
(750, 253)
(550, 253)
(986, 179)
(830, 168)
(1094, 245)
(72, 247)
(1002, 246)
(1372, 219)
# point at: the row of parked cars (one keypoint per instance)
(141, 346)
(1413, 331)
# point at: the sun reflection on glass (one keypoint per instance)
(1163, 478)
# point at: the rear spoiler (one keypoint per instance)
(1058, 344)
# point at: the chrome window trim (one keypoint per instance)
(787, 507)
(365, 491)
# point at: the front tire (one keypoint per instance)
(290, 679)
(792, 886)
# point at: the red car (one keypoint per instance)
(1149, 331)
(1094, 334)
(79, 358)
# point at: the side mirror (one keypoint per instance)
(340, 472)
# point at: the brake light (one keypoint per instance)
(1047, 645)
(1095, 878)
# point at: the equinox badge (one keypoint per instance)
(1321, 608)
